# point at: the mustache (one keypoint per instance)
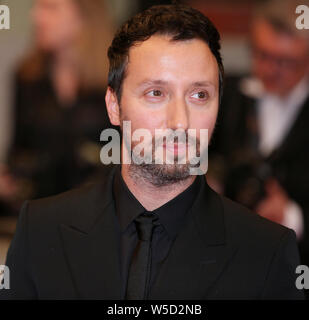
(159, 141)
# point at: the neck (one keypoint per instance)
(63, 57)
(150, 196)
(64, 76)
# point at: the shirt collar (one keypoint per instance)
(127, 206)
(171, 215)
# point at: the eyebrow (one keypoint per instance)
(152, 82)
(163, 82)
(202, 84)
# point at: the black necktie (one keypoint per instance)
(139, 272)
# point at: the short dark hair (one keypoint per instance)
(179, 21)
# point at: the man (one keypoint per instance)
(262, 127)
(153, 231)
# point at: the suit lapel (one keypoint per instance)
(91, 245)
(195, 262)
(199, 253)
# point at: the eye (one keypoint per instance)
(201, 95)
(155, 93)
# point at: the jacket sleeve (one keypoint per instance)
(21, 283)
(281, 278)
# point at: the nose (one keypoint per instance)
(178, 117)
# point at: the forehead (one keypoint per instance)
(160, 57)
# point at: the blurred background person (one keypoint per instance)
(59, 101)
(259, 150)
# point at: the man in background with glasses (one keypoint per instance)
(262, 135)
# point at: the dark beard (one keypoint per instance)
(160, 175)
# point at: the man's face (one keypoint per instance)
(280, 60)
(170, 85)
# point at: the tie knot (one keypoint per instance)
(144, 225)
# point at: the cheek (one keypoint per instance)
(144, 121)
(68, 33)
(296, 76)
(205, 120)
(140, 116)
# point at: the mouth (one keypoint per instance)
(176, 148)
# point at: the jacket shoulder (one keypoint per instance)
(78, 206)
(242, 223)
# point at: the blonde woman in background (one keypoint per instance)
(59, 100)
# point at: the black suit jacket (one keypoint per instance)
(67, 247)
(236, 138)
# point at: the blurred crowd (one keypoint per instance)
(59, 102)
(259, 151)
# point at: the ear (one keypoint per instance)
(112, 107)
